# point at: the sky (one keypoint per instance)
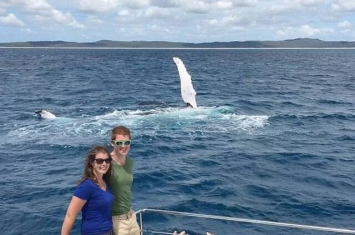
(192, 21)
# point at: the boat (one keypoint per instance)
(145, 214)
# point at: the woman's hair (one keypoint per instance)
(89, 170)
(120, 130)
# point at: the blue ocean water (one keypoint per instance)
(272, 139)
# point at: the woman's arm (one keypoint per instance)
(75, 205)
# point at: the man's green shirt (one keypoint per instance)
(121, 185)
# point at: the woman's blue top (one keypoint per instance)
(96, 213)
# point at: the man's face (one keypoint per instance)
(121, 145)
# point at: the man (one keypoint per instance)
(123, 217)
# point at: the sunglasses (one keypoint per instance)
(99, 161)
(122, 142)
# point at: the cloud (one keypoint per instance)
(26, 30)
(123, 13)
(93, 20)
(197, 7)
(309, 2)
(58, 18)
(223, 5)
(296, 6)
(135, 4)
(304, 31)
(182, 20)
(165, 3)
(308, 31)
(11, 20)
(188, 6)
(213, 22)
(26, 5)
(244, 3)
(344, 5)
(344, 24)
(40, 11)
(98, 5)
(155, 12)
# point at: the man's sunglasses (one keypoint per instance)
(99, 161)
(122, 142)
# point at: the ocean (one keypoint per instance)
(273, 137)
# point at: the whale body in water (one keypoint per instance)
(45, 114)
(188, 92)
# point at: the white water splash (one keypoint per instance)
(167, 121)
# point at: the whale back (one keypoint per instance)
(45, 114)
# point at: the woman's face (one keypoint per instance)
(101, 163)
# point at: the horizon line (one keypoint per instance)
(281, 40)
(183, 48)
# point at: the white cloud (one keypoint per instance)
(133, 17)
(344, 24)
(98, 5)
(135, 4)
(185, 20)
(282, 8)
(293, 6)
(335, 7)
(213, 22)
(155, 12)
(93, 20)
(11, 20)
(198, 7)
(244, 3)
(346, 31)
(308, 31)
(123, 13)
(165, 3)
(58, 18)
(231, 23)
(238, 28)
(224, 5)
(304, 31)
(26, 5)
(309, 2)
(41, 11)
(61, 17)
(227, 20)
(26, 30)
(344, 5)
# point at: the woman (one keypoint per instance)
(92, 196)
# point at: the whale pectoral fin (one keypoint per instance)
(188, 92)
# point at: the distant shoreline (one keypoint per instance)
(299, 43)
(176, 48)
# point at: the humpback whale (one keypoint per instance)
(45, 114)
(188, 92)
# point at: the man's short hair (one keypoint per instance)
(120, 130)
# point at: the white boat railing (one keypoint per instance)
(140, 213)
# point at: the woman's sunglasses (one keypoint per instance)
(122, 142)
(99, 161)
